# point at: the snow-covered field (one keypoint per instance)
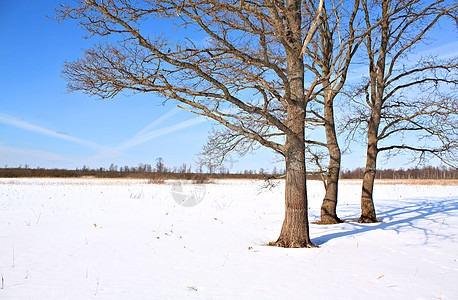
(126, 239)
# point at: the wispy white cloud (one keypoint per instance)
(157, 122)
(8, 120)
(147, 134)
(15, 156)
(103, 152)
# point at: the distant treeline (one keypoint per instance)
(131, 174)
(412, 173)
(162, 173)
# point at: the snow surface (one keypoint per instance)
(127, 239)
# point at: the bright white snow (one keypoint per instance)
(126, 239)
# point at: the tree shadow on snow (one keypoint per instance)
(398, 218)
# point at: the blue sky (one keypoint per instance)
(44, 126)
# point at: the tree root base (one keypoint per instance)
(328, 221)
(364, 219)
(283, 244)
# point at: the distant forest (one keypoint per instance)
(411, 173)
(161, 172)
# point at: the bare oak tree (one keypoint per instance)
(246, 72)
(411, 100)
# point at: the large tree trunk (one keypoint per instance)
(367, 200)
(295, 229)
(329, 205)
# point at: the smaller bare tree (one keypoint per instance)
(404, 105)
(160, 167)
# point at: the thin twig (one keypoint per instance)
(97, 288)
(39, 216)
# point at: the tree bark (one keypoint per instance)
(329, 205)
(295, 229)
(367, 201)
